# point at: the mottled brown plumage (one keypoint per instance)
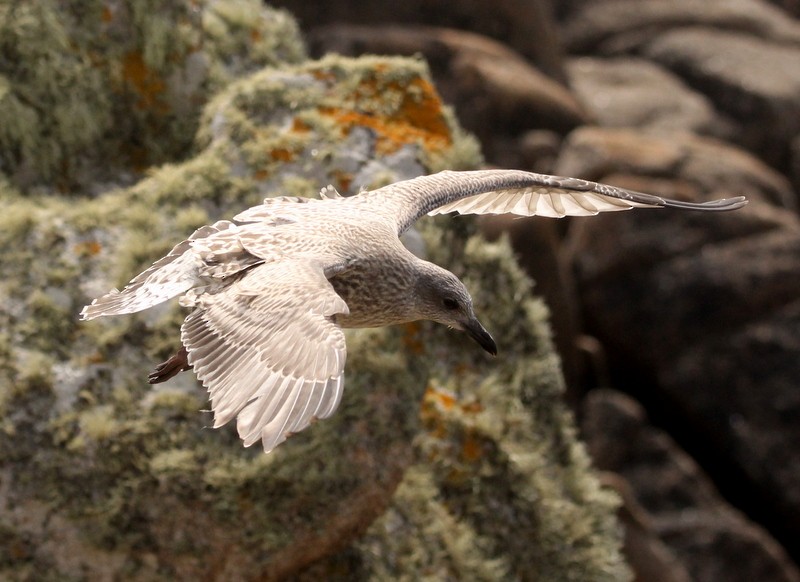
(271, 290)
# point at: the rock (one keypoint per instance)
(712, 540)
(790, 6)
(634, 92)
(94, 92)
(527, 26)
(494, 90)
(649, 557)
(699, 166)
(741, 54)
(537, 245)
(706, 306)
(752, 80)
(794, 170)
(613, 26)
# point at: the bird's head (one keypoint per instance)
(443, 298)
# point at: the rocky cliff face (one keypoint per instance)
(440, 462)
(695, 318)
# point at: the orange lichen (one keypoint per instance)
(87, 248)
(412, 339)
(473, 407)
(421, 107)
(430, 413)
(300, 126)
(282, 154)
(438, 398)
(146, 83)
(344, 180)
(391, 134)
(418, 118)
(322, 75)
(471, 448)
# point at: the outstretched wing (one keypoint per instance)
(521, 193)
(269, 350)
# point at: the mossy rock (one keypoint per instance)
(138, 73)
(441, 461)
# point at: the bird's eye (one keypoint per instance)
(450, 303)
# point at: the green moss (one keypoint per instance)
(174, 462)
(247, 35)
(16, 222)
(500, 440)
(138, 74)
(49, 323)
(40, 124)
(426, 541)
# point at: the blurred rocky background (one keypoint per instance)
(123, 125)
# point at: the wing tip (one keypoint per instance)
(99, 306)
(720, 205)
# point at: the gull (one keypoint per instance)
(271, 290)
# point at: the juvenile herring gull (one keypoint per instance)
(271, 290)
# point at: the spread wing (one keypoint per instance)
(269, 350)
(521, 193)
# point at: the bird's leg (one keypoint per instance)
(166, 370)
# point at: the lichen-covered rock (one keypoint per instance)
(448, 460)
(96, 90)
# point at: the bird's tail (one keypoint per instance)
(168, 277)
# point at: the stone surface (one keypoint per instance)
(85, 447)
(706, 308)
(680, 504)
(741, 54)
(790, 6)
(689, 165)
(526, 26)
(614, 26)
(752, 80)
(634, 92)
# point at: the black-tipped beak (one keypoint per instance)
(477, 332)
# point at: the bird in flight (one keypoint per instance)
(271, 290)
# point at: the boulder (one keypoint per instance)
(675, 500)
(637, 93)
(93, 93)
(704, 306)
